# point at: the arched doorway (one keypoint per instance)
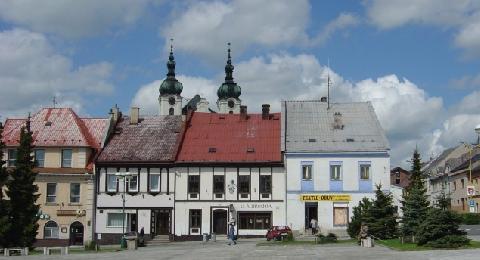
(76, 233)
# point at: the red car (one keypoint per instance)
(276, 232)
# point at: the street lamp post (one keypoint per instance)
(125, 176)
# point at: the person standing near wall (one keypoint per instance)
(231, 234)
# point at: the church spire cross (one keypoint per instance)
(229, 67)
(171, 62)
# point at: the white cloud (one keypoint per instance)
(204, 28)
(32, 72)
(344, 20)
(72, 18)
(463, 16)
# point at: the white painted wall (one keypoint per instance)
(379, 172)
(206, 200)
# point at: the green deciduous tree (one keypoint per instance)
(415, 203)
(23, 194)
(4, 223)
(381, 218)
(359, 215)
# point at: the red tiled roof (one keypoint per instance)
(58, 127)
(233, 139)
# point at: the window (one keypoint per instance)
(194, 184)
(244, 183)
(307, 172)
(40, 158)
(454, 185)
(265, 183)
(66, 158)
(218, 184)
(397, 181)
(50, 230)
(340, 216)
(111, 182)
(12, 157)
(133, 183)
(335, 172)
(254, 220)
(74, 192)
(115, 220)
(51, 192)
(154, 185)
(171, 111)
(463, 183)
(365, 171)
(195, 218)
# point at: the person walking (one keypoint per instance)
(231, 234)
(314, 225)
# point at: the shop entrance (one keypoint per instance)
(311, 212)
(161, 220)
(76, 233)
(219, 221)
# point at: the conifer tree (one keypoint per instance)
(415, 202)
(359, 216)
(23, 194)
(381, 218)
(440, 228)
(4, 223)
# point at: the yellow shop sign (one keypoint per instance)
(325, 197)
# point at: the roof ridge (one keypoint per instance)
(83, 129)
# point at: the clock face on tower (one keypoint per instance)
(171, 101)
(231, 104)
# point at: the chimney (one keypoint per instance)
(134, 112)
(323, 99)
(243, 112)
(265, 111)
(115, 113)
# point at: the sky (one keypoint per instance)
(417, 61)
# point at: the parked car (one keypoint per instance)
(276, 232)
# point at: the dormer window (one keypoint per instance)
(250, 150)
(212, 150)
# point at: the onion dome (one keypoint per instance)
(229, 89)
(171, 85)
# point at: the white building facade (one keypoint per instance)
(335, 155)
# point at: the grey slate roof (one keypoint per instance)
(154, 139)
(309, 127)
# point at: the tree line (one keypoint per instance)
(421, 223)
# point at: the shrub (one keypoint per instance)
(439, 224)
(330, 238)
(450, 241)
(471, 218)
(90, 245)
(289, 237)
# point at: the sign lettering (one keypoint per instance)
(325, 197)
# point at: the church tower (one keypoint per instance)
(229, 91)
(170, 100)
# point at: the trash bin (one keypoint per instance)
(205, 237)
(214, 237)
(131, 242)
(123, 242)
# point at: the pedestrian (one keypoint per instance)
(231, 234)
(314, 225)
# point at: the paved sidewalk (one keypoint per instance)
(248, 250)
